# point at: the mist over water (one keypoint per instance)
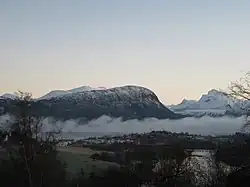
(109, 126)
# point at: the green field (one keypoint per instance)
(77, 160)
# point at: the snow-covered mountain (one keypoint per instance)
(58, 93)
(8, 96)
(127, 102)
(214, 103)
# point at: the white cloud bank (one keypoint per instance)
(108, 126)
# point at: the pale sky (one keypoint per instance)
(177, 48)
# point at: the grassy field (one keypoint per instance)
(77, 158)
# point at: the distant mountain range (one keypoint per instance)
(86, 103)
(127, 102)
(215, 104)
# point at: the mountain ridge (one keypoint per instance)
(57, 93)
(128, 102)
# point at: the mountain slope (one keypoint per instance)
(58, 93)
(127, 102)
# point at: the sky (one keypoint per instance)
(179, 49)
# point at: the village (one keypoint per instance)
(153, 138)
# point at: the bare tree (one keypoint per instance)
(241, 90)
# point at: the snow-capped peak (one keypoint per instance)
(215, 92)
(214, 99)
(213, 103)
(185, 101)
(80, 89)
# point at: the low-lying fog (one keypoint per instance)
(108, 126)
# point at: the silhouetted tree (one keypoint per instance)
(31, 158)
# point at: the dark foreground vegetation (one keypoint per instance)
(29, 158)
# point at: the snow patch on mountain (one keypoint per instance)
(59, 93)
(214, 99)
